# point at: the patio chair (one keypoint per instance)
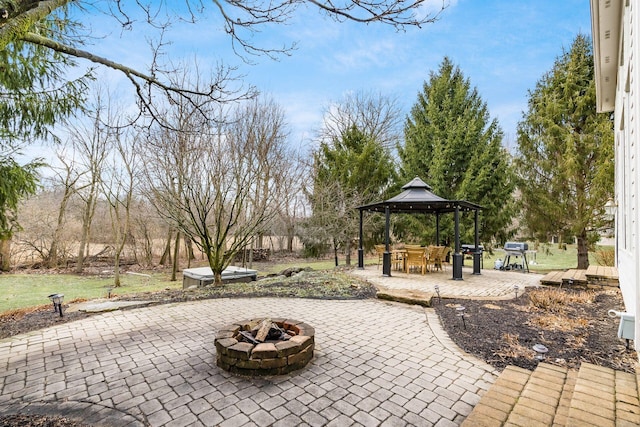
(432, 257)
(398, 257)
(443, 260)
(439, 255)
(380, 252)
(416, 258)
(417, 247)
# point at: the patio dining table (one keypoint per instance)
(401, 259)
(433, 258)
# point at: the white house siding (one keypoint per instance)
(627, 152)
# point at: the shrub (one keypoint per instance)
(555, 300)
(605, 256)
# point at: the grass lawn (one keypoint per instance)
(547, 258)
(32, 289)
(28, 290)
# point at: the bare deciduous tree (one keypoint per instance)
(216, 183)
(67, 178)
(118, 184)
(376, 115)
(92, 147)
(291, 195)
(259, 127)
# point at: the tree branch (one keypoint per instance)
(79, 53)
(215, 91)
(393, 12)
(14, 27)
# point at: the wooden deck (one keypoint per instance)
(594, 275)
(598, 273)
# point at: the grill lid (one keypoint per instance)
(516, 246)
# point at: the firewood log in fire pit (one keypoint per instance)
(263, 330)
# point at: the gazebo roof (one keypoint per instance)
(417, 197)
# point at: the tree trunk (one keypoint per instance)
(52, 258)
(188, 244)
(347, 259)
(51, 261)
(5, 254)
(335, 252)
(290, 237)
(583, 251)
(81, 254)
(87, 219)
(166, 255)
(148, 248)
(290, 243)
(176, 254)
(116, 270)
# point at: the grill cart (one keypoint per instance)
(519, 251)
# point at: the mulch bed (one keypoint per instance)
(38, 421)
(575, 329)
(21, 321)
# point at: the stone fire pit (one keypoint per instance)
(270, 357)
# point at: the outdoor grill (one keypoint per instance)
(518, 250)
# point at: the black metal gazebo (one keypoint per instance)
(417, 197)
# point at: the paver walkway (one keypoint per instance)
(376, 363)
(490, 284)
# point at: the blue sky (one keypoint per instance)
(503, 47)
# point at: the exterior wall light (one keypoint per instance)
(610, 208)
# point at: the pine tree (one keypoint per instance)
(349, 171)
(565, 161)
(452, 144)
(35, 95)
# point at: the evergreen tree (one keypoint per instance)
(565, 160)
(452, 144)
(349, 171)
(35, 90)
(35, 95)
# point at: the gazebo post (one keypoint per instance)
(437, 228)
(386, 256)
(476, 253)
(360, 248)
(457, 256)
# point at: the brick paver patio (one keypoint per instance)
(376, 363)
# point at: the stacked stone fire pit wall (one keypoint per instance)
(268, 358)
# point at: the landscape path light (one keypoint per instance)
(437, 288)
(55, 306)
(461, 310)
(515, 289)
(57, 300)
(540, 350)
